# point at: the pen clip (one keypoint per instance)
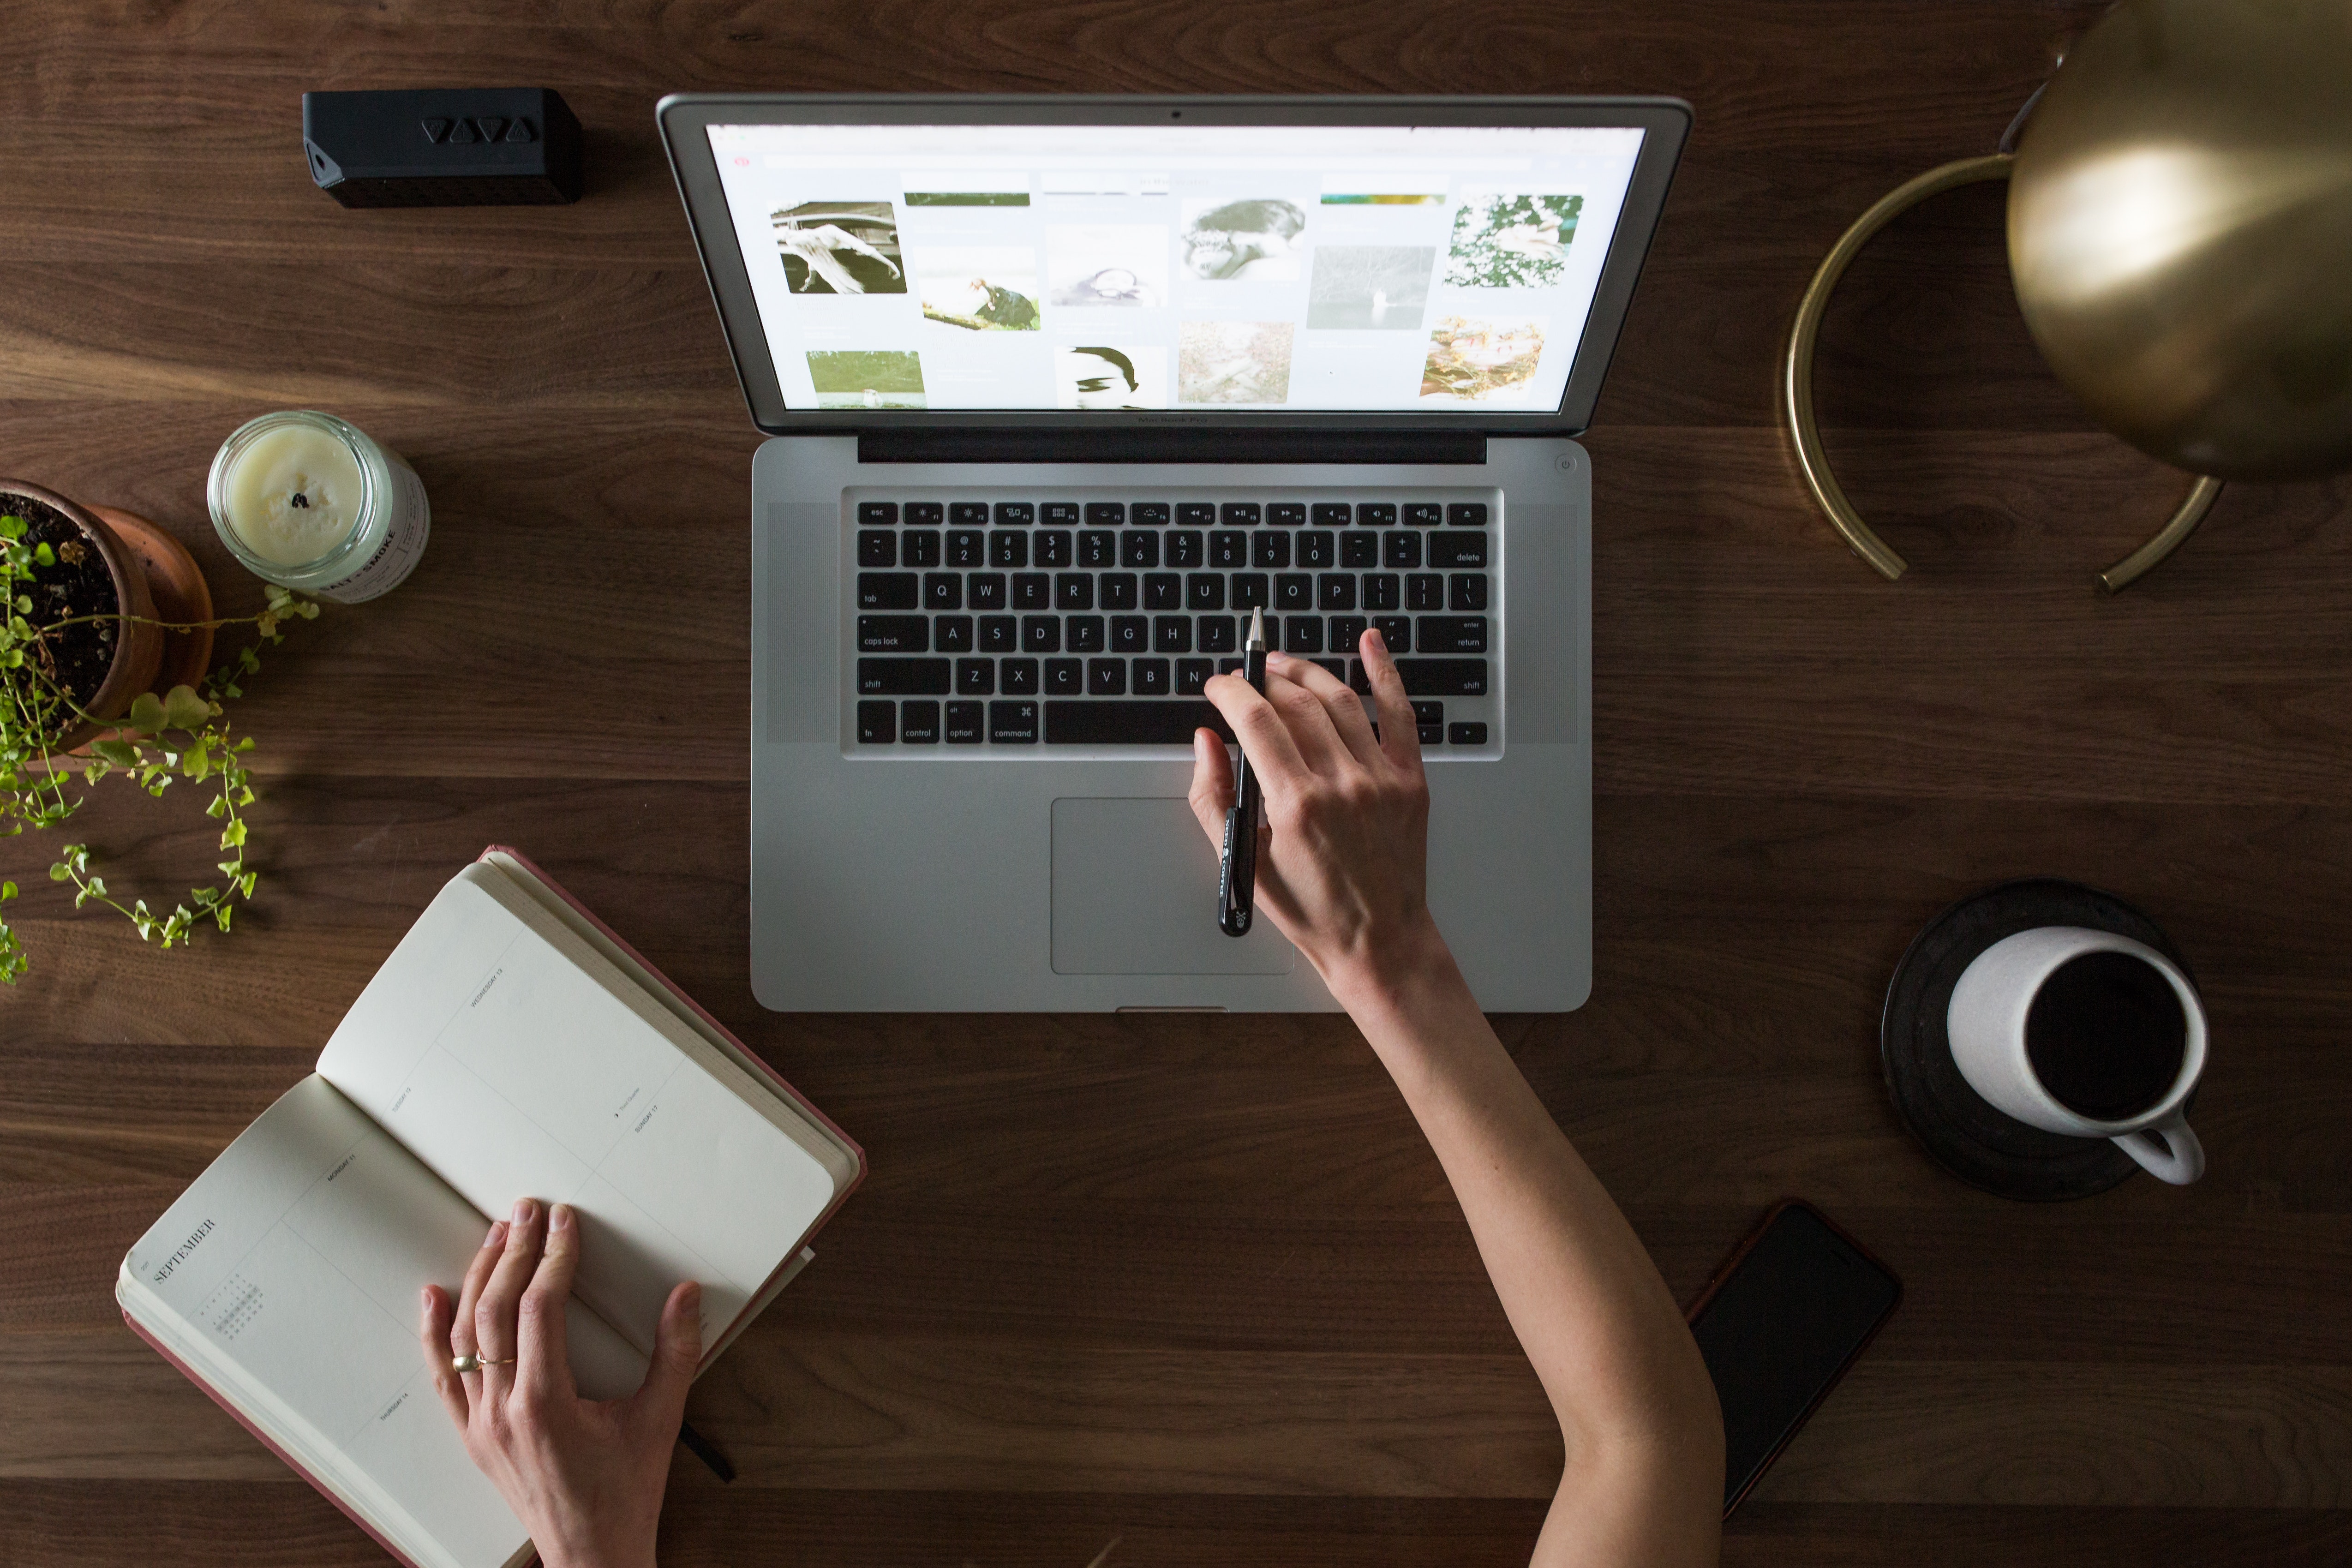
(1233, 912)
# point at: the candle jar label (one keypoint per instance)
(401, 549)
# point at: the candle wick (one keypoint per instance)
(300, 499)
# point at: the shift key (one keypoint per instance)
(885, 590)
(902, 677)
(1438, 676)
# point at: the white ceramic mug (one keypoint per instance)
(1986, 1024)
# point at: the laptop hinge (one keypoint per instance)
(1206, 446)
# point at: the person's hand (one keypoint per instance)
(1342, 857)
(585, 1476)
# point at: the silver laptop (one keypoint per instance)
(1061, 389)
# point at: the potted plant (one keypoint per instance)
(105, 641)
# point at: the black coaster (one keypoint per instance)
(1985, 1147)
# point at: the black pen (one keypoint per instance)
(1237, 867)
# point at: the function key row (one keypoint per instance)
(1160, 514)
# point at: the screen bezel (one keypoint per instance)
(685, 119)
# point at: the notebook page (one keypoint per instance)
(291, 1269)
(505, 1068)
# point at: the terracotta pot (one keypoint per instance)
(155, 576)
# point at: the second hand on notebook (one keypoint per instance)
(1237, 867)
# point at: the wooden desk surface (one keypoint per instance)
(1197, 1284)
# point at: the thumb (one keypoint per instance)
(1213, 785)
(677, 1350)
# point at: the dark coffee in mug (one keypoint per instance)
(2106, 1034)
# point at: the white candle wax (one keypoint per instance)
(293, 494)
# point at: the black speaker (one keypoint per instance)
(431, 147)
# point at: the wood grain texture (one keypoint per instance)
(1196, 1286)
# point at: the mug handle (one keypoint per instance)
(2168, 1151)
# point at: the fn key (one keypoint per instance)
(878, 723)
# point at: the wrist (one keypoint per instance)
(1405, 974)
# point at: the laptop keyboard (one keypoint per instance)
(1089, 623)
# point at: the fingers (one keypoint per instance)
(1212, 795)
(494, 1314)
(1263, 732)
(469, 1294)
(543, 1364)
(677, 1350)
(434, 1331)
(1399, 732)
(1344, 709)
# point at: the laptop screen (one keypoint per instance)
(1224, 268)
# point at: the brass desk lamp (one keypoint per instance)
(2180, 240)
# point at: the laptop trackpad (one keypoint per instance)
(1135, 892)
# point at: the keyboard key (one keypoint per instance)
(1401, 551)
(1097, 547)
(1428, 712)
(1139, 551)
(894, 634)
(1031, 591)
(1467, 735)
(878, 723)
(877, 547)
(963, 723)
(1019, 677)
(952, 634)
(1073, 591)
(1168, 723)
(1129, 634)
(1240, 514)
(1458, 550)
(1105, 678)
(1358, 550)
(985, 590)
(1466, 591)
(885, 590)
(1196, 513)
(1192, 674)
(1250, 591)
(1376, 514)
(1151, 677)
(1163, 590)
(1443, 677)
(1228, 549)
(1424, 514)
(1229, 666)
(1396, 631)
(965, 548)
(877, 513)
(1346, 631)
(919, 723)
(1466, 514)
(968, 513)
(1204, 591)
(1316, 550)
(1431, 734)
(942, 591)
(998, 634)
(1084, 633)
(1016, 513)
(1065, 677)
(1361, 683)
(918, 549)
(1054, 548)
(924, 514)
(1106, 513)
(1171, 634)
(1336, 668)
(1150, 514)
(1335, 591)
(1286, 514)
(1041, 634)
(902, 676)
(1424, 591)
(1060, 513)
(1383, 591)
(1294, 591)
(975, 677)
(1185, 549)
(1013, 723)
(1006, 551)
(1220, 634)
(1302, 634)
(1270, 552)
(1333, 514)
(1444, 634)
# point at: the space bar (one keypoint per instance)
(1113, 723)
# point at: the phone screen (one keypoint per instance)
(1780, 1329)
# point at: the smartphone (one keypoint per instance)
(1785, 1317)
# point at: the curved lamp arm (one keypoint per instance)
(1796, 385)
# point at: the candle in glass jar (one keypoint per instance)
(293, 494)
(310, 501)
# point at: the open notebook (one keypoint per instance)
(511, 1046)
